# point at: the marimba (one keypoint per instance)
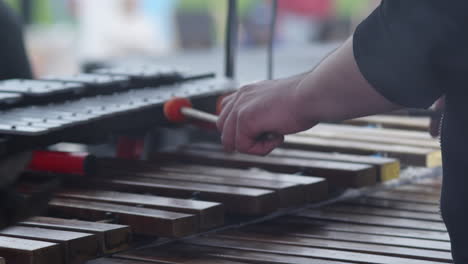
(373, 228)
(193, 203)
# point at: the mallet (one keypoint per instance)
(179, 109)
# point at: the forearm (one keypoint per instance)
(336, 90)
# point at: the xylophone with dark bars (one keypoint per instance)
(196, 204)
(243, 215)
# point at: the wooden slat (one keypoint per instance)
(381, 250)
(374, 131)
(289, 194)
(303, 251)
(404, 122)
(436, 186)
(239, 200)
(413, 188)
(303, 229)
(398, 205)
(436, 183)
(373, 220)
(415, 156)
(141, 220)
(315, 187)
(387, 168)
(116, 261)
(176, 254)
(406, 197)
(210, 214)
(364, 228)
(24, 251)
(336, 173)
(366, 210)
(359, 134)
(112, 237)
(179, 253)
(76, 247)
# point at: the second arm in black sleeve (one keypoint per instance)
(412, 52)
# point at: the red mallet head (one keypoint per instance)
(172, 109)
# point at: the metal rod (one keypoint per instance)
(199, 115)
(231, 39)
(271, 41)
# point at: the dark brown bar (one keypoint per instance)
(142, 220)
(387, 168)
(112, 237)
(192, 254)
(240, 200)
(312, 230)
(366, 210)
(413, 188)
(316, 188)
(373, 220)
(303, 251)
(210, 214)
(76, 247)
(364, 228)
(407, 197)
(345, 246)
(398, 205)
(336, 173)
(289, 194)
(116, 261)
(24, 251)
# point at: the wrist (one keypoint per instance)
(304, 103)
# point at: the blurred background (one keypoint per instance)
(63, 35)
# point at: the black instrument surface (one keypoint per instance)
(83, 107)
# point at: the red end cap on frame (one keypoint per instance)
(63, 162)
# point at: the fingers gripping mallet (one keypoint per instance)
(178, 110)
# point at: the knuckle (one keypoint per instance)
(247, 88)
(241, 115)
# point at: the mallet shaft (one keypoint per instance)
(207, 117)
(199, 115)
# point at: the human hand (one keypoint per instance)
(256, 110)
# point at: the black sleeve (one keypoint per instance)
(414, 51)
(14, 61)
